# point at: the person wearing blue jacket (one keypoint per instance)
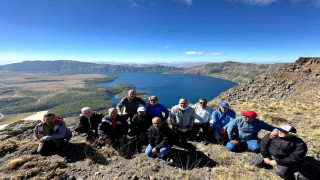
(156, 109)
(244, 130)
(221, 119)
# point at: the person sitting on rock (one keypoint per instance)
(159, 139)
(284, 153)
(156, 109)
(111, 129)
(89, 122)
(244, 130)
(221, 119)
(141, 123)
(52, 134)
(182, 118)
(203, 116)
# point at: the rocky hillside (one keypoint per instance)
(297, 81)
(237, 72)
(289, 95)
(68, 66)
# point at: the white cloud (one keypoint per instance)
(202, 53)
(189, 2)
(166, 46)
(134, 5)
(256, 2)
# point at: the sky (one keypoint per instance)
(148, 31)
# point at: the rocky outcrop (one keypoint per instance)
(296, 80)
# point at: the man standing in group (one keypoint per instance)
(284, 153)
(89, 122)
(182, 118)
(203, 116)
(221, 118)
(131, 104)
(244, 130)
(52, 134)
(159, 139)
(111, 129)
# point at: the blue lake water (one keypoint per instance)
(171, 87)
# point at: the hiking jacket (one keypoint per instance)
(247, 131)
(105, 129)
(141, 124)
(92, 123)
(202, 115)
(156, 111)
(182, 118)
(160, 138)
(60, 131)
(286, 151)
(130, 107)
(220, 120)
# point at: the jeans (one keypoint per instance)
(253, 145)
(163, 151)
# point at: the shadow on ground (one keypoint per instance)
(74, 152)
(189, 160)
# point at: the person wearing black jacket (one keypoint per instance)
(111, 129)
(159, 139)
(285, 152)
(141, 122)
(89, 122)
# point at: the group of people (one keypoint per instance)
(281, 148)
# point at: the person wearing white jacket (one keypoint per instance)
(203, 116)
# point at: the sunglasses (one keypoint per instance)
(202, 103)
(248, 116)
(153, 100)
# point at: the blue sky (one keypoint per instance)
(145, 31)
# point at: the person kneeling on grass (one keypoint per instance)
(159, 139)
(52, 134)
(89, 122)
(244, 130)
(284, 153)
(111, 129)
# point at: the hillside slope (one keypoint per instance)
(234, 71)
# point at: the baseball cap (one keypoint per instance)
(224, 104)
(250, 113)
(141, 109)
(288, 129)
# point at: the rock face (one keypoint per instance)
(293, 81)
(19, 129)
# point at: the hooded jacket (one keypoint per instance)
(220, 120)
(286, 151)
(60, 131)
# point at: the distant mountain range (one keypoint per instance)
(68, 66)
(234, 71)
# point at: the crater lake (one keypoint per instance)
(169, 88)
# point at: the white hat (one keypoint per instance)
(141, 109)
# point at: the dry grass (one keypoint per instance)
(16, 118)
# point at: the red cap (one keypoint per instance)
(250, 113)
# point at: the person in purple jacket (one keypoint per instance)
(156, 109)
